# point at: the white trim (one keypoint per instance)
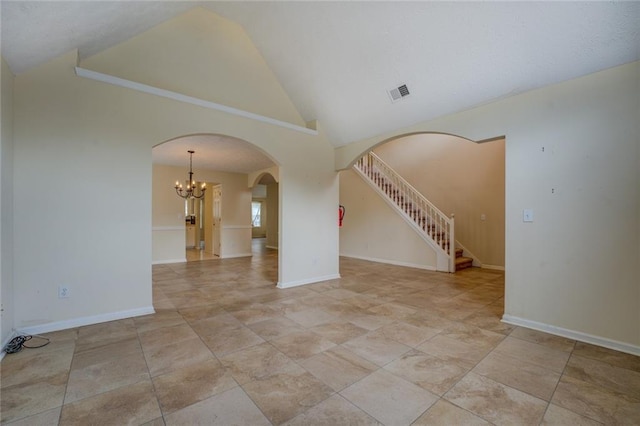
(307, 281)
(392, 262)
(231, 256)
(494, 267)
(117, 81)
(237, 227)
(82, 321)
(571, 334)
(162, 262)
(168, 228)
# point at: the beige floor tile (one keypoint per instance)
(16, 370)
(472, 335)
(361, 301)
(256, 362)
(519, 374)
(196, 313)
(186, 386)
(275, 328)
(544, 339)
(95, 378)
(466, 355)
(232, 407)
(159, 337)
(395, 311)
(489, 321)
(445, 413)
(558, 416)
(389, 399)
(339, 332)
(340, 293)
(137, 401)
(597, 403)
(534, 353)
(161, 319)
(99, 335)
(255, 312)
(495, 402)
(48, 418)
(286, 394)
(311, 317)
(332, 412)
(376, 348)
(407, 334)
(163, 359)
(155, 422)
(370, 322)
(231, 340)
(338, 367)
(302, 344)
(27, 399)
(605, 375)
(426, 371)
(615, 358)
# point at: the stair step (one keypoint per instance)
(459, 252)
(463, 263)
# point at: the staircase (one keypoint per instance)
(461, 261)
(430, 223)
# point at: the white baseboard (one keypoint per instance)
(391, 262)
(79, 322)
(574, 335)
(493, 267)
(233, 256)
(162, 262)
(308, 281)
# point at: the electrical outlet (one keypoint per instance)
(63, 292)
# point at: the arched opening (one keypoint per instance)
(458, 176)
(264, 213)
(218, 225)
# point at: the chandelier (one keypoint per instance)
(190, 191)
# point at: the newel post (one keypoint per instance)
(452, 244)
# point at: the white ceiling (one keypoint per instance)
(336, 60)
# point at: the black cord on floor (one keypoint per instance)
(17, 343)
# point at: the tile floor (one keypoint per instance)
(382, 345)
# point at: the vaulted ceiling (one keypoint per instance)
(337, 60)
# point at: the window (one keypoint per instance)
(256, 207)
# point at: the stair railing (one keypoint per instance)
(424, 215)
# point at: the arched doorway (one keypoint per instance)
(457, 175)
(218, 225)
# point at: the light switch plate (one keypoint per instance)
(527, 215)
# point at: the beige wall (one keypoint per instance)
(573, 270)
(461, 177)
(96, 139)
(6, 206)
(372, 230)
(168, 212)
(166, 57)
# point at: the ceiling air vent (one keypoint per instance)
(398, 93)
